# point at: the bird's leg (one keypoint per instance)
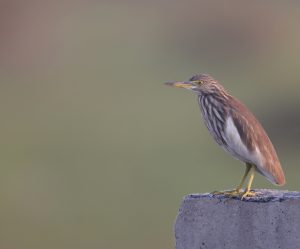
(239, 187)
(237, 191)
(247, 192)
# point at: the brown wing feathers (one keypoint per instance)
(254, 136)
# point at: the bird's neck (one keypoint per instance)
(215, 93)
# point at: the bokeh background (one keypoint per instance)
(95, 151)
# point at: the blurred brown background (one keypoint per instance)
(95, 151)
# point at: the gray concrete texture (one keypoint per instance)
(269, 221)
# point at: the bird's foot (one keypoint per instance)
(236, 193)
(248, 193)
(229, 193)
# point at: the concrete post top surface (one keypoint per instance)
(269, 220)
(263, 195)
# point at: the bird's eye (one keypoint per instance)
(199, 82)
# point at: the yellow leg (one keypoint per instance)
(237, 191)
(247, 192)
(248, 168)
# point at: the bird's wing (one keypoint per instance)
(248, 139)
(238, 141)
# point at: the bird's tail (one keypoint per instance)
(279, 175)
(273, 172)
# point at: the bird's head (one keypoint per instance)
(199, 83)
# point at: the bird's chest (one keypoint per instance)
(222, 128)
(214, 117)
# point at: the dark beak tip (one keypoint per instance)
(169, 83)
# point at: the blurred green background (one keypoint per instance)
(95, 151)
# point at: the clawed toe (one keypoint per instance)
(236, 193)
(228, 193)
(248, 193)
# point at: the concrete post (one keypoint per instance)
(269, 221)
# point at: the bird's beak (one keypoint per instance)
(181, 84)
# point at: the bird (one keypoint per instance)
(237, 131)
